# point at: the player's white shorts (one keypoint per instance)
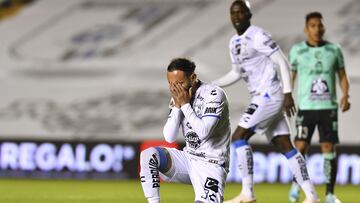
(265, 115)
(207, 179)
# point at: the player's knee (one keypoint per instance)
(283, 143)
(302, 146)
(149, 156)
(242, 134)
(327, 147)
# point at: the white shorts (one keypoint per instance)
(264, 115)
(207, 179)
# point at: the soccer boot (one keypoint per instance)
(294, 192)
(331, 198)
(241, 199)
(311, 201)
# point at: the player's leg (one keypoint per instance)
(294, 192)
(328, 139)
(152, 161)
(155, 161)
(281, 139)
(245, 162)
(260, 110)
(305, 126)
(208, 180)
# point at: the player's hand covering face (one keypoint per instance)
(179, 87)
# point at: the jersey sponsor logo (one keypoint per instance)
(251, 109)
(213, 102)
(212, 184)
(188, 125)
(211, 188)
(193, 140)
(199, 154)
(213, 92)
(318, 55)
(154, 171)
(320, 90)
(210, 110)
(273, 45)
(213, 161)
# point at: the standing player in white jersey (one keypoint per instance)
(255, 57)
(201, 110)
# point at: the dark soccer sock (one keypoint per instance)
(330, 171)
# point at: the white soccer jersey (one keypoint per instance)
(205, 125)
(250, 54)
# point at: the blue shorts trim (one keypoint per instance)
(163, 159)
(240, 143)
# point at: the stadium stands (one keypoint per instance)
(95, 69)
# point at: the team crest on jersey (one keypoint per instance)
(192, 139)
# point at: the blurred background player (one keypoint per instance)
(201, 110)
(316, 62)
(253, 54)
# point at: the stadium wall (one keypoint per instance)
(100, 160)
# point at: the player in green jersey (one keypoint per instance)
(316, 62)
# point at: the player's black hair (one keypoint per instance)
(244, 5)
(311, 15)
(182, 64)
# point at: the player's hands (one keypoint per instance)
(289, 105)
(180, 94)
(344, 103)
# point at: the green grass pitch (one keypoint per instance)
(56, 191)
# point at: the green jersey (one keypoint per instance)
(316, 69)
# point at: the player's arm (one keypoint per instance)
(212, 110)
(284, 68)
(172, 125)
(343, 80)
(294, 65)
(278, 58)
(293, 79)
(264, 43)
(202, 126)
(345, 86)
(230, 78)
